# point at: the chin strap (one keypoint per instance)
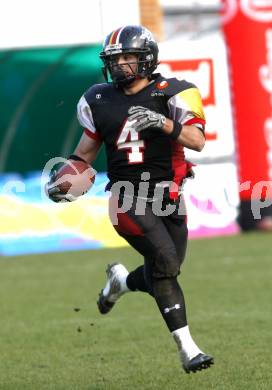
(120, 79)
(123, 82)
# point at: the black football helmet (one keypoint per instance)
(129, 39)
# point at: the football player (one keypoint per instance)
(145, 120)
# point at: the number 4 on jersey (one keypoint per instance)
(129, 139)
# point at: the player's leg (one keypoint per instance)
(167, 241)
(119, 280)
(140, 278)
(149, 235)
(163, 270)
(191, 356)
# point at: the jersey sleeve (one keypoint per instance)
(85, 118)
(186, 108)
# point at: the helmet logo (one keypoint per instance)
(147, 35)
(114, 48)
(162, 85)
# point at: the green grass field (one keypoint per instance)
(45, 344)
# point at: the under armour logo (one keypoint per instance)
(98, 96)
(168, 309)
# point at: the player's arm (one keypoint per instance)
(186, 121)
(90, 141)
(86, 151)
(189, 136)
(87, 148)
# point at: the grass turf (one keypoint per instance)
(45, 344)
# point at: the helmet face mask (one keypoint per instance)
(121, 74)
(135, 40)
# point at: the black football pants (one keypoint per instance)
(162, 241)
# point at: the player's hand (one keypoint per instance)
(54, 193)
(144, 118)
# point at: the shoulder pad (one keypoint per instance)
(98, 92)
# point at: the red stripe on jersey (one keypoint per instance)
(180, 167)
(94, 136)
(208, 136)
(193, 121)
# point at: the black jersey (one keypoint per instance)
(103, 112)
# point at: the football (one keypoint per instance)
(75, 178)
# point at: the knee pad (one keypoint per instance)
(166, 265)
(164, 287)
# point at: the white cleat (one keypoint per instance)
(115, 287)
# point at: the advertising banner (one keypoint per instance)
(247, 25)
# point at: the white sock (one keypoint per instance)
(185, 342)
(124, 286)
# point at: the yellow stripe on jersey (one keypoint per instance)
(191, 101)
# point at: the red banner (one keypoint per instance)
(247, 25)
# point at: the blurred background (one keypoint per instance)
(49, 55)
